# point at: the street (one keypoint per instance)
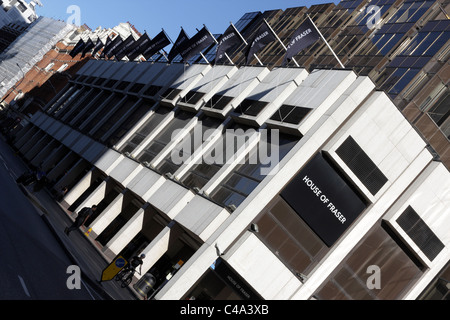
(33, 266)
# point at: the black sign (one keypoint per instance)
(159, 42)
(234, 281)
(124, 48)
(305, 36)
(323, 200)
(106, 47)
(112, 49)
(138, 47)
(226, 41)
(196, 44)
(263, 37)
(98, 46)
(182, 37)
(78, 48)
(89, 46)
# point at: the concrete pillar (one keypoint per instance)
(186, 277)
(34, 150)
(79, 188)
(72, 174)
(124, 236)
(31, 143)
(44, 152)
(95, 197)
(160, 245)
(155, 250)
(107, 216)
(63, 165)
(26, 137)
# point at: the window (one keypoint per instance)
(218, 102)
(440, 113)
(72, 101)
(290, 114)
(49, 66)
(361, 165)
(96, 99)
(214, 159)
(398, 271)
(115, 118)
(247, 176)
(164, 137)
(410, 11)
(420, 233)
(192, 97)
(128, 124)
(290, 238)
(145, 130)
(99, 114)
(205, 126)
(251, 107)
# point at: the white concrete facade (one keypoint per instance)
(341, 105)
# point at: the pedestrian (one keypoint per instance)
(83, 215)
(136, 261)
(62, 193)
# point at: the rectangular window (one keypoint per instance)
(377, 252)
(145, 130)
(164, 137)
(251, 107)
(420, 233)
(290, 238)
(290, 114)
(246, 177)
(190, 144)
(361, 165)
(128, 124)
(201, 173)
(218, 102)
(115, 118)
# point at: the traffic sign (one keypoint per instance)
(114, 268)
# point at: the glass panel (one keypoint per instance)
(246, 177)
(189, 144)
(146, 129)
(349, 281)
(164, 137)
(289, 238)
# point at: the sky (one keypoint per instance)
(152, 16)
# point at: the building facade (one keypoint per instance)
(52, 72)
(261, 181)
(18, 11)
(27, 50)
(247, 224)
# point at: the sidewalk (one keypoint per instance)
(80, 250)
(77, 246)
